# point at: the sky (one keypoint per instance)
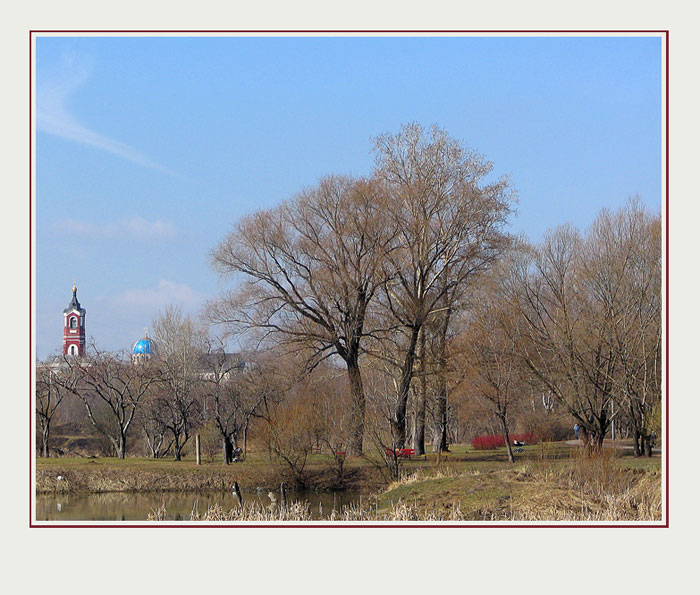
(149, 149)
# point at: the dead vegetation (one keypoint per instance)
(587, 488)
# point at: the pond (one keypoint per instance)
(130, 506)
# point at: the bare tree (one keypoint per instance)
(485, 357)
(52, 385)
(312, 266)
(290, 428)
(221, 384)
(152, 420)
(179, 344)
(330, 417)
(240, 386)
(111, 387)
(449, 221)
(383, 382)
(564, 335)
(622, 267)
(590, 314)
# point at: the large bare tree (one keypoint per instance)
(311, 267)
(450, 222)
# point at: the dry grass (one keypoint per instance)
(249, 512)
(584, 488)
(590, 488)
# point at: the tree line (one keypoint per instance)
(377, 310)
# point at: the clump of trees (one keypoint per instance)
(393, 310)
(112, 389)
(351, 265)
(589, 319)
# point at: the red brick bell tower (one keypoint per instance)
(74, 327)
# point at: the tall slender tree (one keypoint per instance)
(52, 386)
(180, 343)
(450, 222)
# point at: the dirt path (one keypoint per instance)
(610, 444)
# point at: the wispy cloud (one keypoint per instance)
(135, 227)
(54, 90)
(165, 293)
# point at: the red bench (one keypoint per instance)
(406, 453)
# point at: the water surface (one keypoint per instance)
(128, 506)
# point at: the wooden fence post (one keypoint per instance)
(198, 449)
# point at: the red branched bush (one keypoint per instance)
(497, 441)
(488, 442)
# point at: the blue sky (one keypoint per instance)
(149, 149)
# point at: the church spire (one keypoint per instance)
(74, 326)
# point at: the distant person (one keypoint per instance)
(576, 429)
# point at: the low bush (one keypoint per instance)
(495, 441)
(491, 442)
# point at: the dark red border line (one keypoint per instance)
(32, 32)
(32, 448)
(199, 31)
(668, 163)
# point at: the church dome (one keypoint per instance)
(144, 346)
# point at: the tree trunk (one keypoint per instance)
(635, 444)
(440, 410)
(357, 415)
(399, 421)
(178, 448)
(506, 435)
(245, 439)
(649, 444)
(45, 441)
(228, 450)
(121, 447)
(419, 432)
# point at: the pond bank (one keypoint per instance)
(102, 475)
(481, 487)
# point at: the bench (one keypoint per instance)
(402, 453)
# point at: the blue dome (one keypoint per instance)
(142, 346)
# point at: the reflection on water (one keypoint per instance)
(126, 506)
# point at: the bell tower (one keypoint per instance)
(74, 327)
